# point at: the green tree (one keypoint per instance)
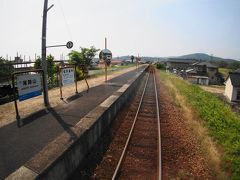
(83, 58)
(75, 57)
(6, 69)
(160, 66)
(37, 63)
(234, 65)
(51, 68)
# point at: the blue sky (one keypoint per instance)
(148, 27)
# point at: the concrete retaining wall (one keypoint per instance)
(62, 156)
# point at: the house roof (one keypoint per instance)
(200, 77)
(238, 70)
(208, 64)
(235, 78)
(191, 71)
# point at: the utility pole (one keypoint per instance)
(44, 53)
(105, 43)
(106, 55)
(105, 62)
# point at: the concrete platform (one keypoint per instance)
(52, 142)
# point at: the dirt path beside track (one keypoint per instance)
(182, 153)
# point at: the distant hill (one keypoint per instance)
(217, 61)
(205, 57)
(196, 56)
(145, 58)
(122, 57)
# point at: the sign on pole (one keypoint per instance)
(29, 85)
(68, 76)
(69, 44)
(106, 55)
(132, 58)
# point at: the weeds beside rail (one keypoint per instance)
(222, 122)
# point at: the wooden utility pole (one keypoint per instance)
(137, 59)
(105, 43)
(105, 62)
(44, 53)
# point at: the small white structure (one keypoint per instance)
(202, 80)
(232, 89)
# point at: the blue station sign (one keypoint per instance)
(29, 86)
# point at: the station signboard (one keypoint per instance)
(68, 76)
(29, 85)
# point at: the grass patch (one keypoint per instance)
(222, 123)
(225, 72)
(184, 175)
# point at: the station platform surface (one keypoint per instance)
(18, 145)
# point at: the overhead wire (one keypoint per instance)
(65, 21)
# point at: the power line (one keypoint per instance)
(65, 20)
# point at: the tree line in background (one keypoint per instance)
(233, 65)
(82, 59)
(5, 69)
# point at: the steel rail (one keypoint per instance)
(159, 133)
(130, 134)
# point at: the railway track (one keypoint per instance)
(141, 156)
